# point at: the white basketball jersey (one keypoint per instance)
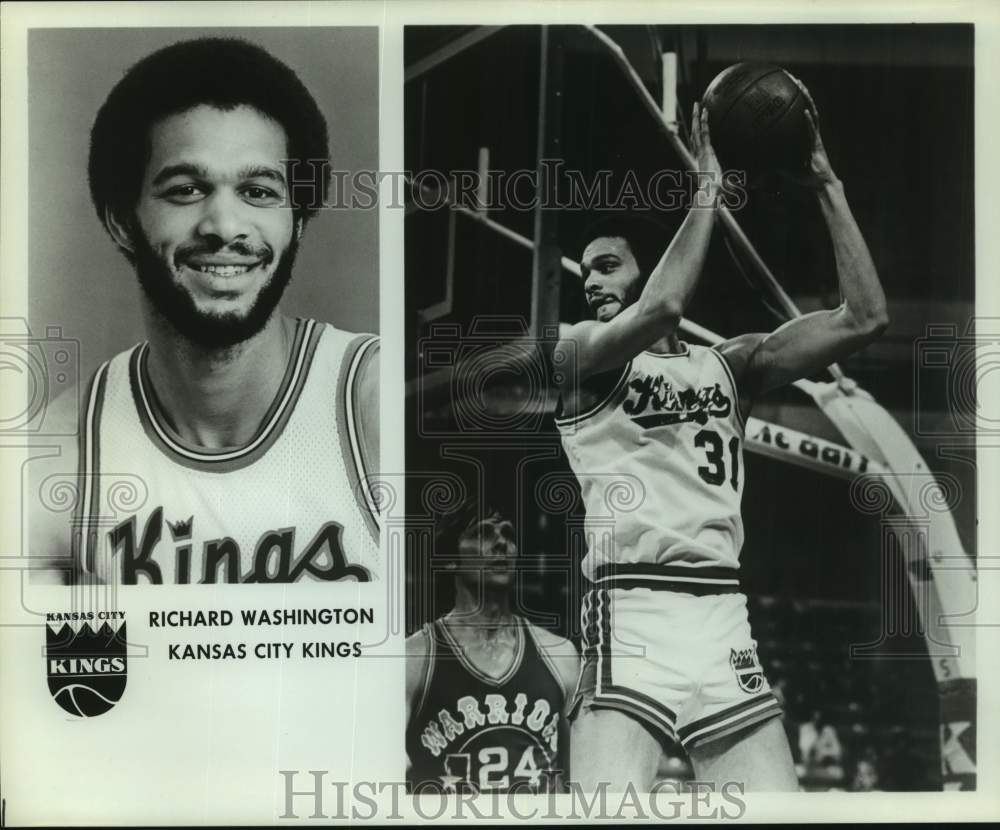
(660, 463)
(294, 504)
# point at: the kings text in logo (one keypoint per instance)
(87, 667)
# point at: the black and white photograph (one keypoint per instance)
(202, 163)
(199, 574)
(691, 339)
(435, 412)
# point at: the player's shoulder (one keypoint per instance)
(51, 475)
(418, 651)
(550, 641)
(59, 431)
(62, 414)
(354, 352)
(357, 356)
(570, 335)
(571, 331)
(63, 417)
(418, 644)
(62, 420)
(738, 351)
(334, 334)
(560, 653)
(580, 394)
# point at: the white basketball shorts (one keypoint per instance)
(683, 663)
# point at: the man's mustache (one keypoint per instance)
(244, 249)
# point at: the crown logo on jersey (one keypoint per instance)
(654, 402)
(180, 529)
(747, 669)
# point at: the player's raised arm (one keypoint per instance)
(806, 344)
(593, 346)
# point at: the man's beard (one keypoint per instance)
(211, 331)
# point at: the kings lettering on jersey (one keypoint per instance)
(144, 554)
(293, 504)
(672, 422)
(653, 401)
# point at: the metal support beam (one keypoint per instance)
(546, 273)
(459, 44)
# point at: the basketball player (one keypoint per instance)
(235, 443)
(668, 653)
(486, 690)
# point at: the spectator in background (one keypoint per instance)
(865, 776)
(822, 752)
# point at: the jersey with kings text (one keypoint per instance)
(295, 503)
(660, 463)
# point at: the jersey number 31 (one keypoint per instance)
(715, 472)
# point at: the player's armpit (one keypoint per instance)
(563, 657)
(810, 343)
(589, 347)
(737, 353)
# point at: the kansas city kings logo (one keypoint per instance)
(86, 667)
(747, 669)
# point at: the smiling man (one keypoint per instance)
(247, 437)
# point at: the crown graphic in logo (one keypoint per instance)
(182, 529)
(87, 669)
(746, 667)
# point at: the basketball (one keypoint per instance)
(756, 114)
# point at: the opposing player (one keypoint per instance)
(486, 690)
(235, 444)
(668, 653)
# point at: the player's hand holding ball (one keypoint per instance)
(818, 172)
(708, 169)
